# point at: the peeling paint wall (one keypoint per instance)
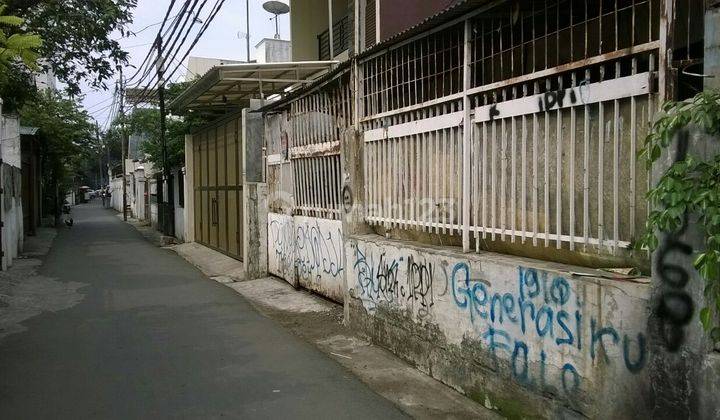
(11, 212)
(496, 327)
(281, 247)
(307, 252)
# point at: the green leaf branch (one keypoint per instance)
(689, 186)
(18, 46)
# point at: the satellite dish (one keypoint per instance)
(277, 8)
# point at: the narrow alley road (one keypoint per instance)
(151, 337)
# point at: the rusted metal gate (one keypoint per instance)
(218, 186)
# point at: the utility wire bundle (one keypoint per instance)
(152, 72)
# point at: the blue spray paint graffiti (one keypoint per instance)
(539, 324)
(542, 307)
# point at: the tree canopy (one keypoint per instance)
(67, 137)
(77, 41)
(18, 57)
(77, 37)
(22, 46)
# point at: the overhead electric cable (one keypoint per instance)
(214, 11)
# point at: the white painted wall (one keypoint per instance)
(11, 212)
(565, 334)
(270, 50)
(10, 147)
(198, 66)
(189, 209)
(179, 211)
(130, 199)
(12, 232)
(281, 247)
(139, 202)
(116, 194)
(307, 251)
(152, 185)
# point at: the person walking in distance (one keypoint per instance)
(108, 196)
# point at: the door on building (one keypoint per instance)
(217, 172)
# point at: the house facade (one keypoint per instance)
(467, 185)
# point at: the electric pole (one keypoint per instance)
(247, 29)
(122, 142)
(167, 222)
(106, 143)
(100, 156)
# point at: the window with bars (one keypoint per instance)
(548, 114)
(422, 70)
(318, 120)
(317, 186)
(545, 34)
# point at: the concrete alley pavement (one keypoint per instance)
(151, 337)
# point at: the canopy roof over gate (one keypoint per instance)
(236, 84)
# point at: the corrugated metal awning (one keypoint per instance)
(321, 80)
(236, 84)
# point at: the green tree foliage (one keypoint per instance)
(18, 56)
(77, 36)
(67, 138)
(690, 186)
(78, 41)
(146, 121)
(112, 139)
(17, 47)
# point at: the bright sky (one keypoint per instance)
(224, 38)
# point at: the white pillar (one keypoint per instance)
(467, 127)
(189, 208)
(140, 196)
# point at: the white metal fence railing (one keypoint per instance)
(318, 120)
(317, 186)
(516, 125)
(560, 166)
(413, 171)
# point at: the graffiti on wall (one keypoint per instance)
(378, 281)
(537, 320)
(281, 238)
(675, 306)
(318, 251)
(545, 309)
(310, 247)
(553, 99)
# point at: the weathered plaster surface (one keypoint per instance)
(254, 230)
(496, 327)
(281, 247)
(307, 251)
